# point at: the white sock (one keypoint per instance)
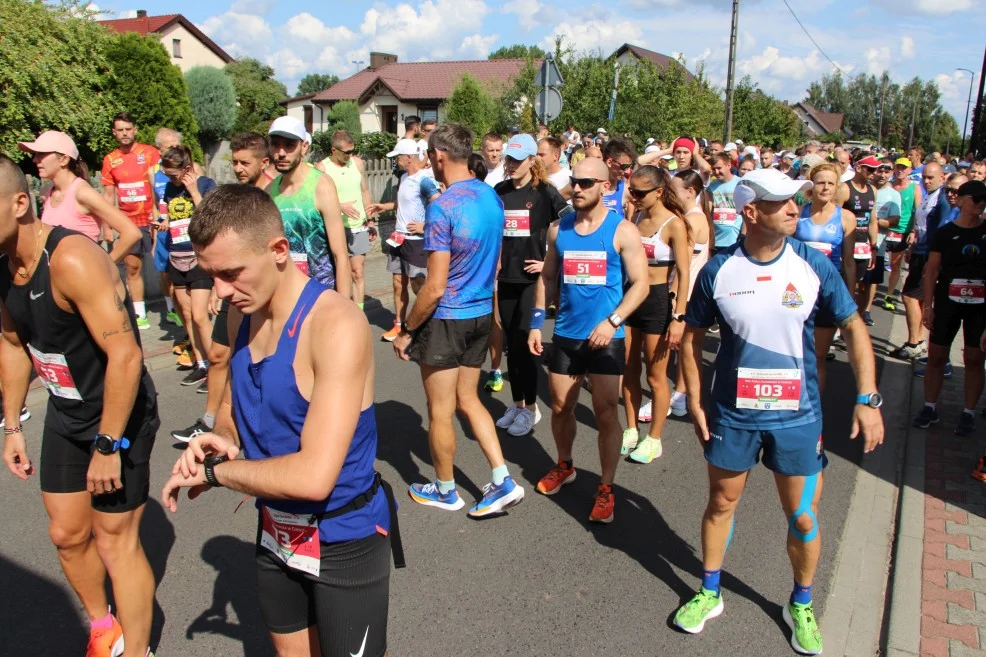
(170, 303)
(970, 411)
(209, 420)
(203, 364)
(675, 396)
(139, 309)
(932, 405)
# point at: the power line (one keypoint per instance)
(810, 38)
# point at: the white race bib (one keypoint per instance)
(967, 291)
(517, 223)
(584, 268)
(53, 371)
(292, 538)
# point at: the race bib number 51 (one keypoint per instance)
(768, 390)
(584, 267)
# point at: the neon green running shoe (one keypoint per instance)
(143, 324)
(805, 636)
(629, 441)
(173, 318)
(647, 450)
(692, 615)
(495, 382)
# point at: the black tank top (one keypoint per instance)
(65, 356)
(860, 203)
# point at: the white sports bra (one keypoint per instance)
(659, 254)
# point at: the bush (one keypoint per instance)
(372, 145)
(213, 100)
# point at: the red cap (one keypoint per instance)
(683, 142)
(869, 162)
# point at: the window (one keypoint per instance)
(176, 48)
(428, 113)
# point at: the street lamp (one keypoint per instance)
(972, 78)
(358, 64)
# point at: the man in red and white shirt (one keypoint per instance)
(128, 180)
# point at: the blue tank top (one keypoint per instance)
(826, 238)
(591, 277)
(270, 412)
(614, 200)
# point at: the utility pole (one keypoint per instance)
(977, 139)
(879, 130)
(972, 78)
(731, 75)
(914, 113)
(616, 84)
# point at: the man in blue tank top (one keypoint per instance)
(447, 332)
(589, 251)
(299, 407)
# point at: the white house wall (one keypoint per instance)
(193, 51)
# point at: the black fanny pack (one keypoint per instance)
(364, 498)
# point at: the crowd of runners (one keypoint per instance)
(636, 257)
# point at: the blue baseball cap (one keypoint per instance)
(520, 147)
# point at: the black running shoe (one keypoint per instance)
(926, 417)
(195, 376)
(185, 435)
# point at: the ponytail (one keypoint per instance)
(79, 168)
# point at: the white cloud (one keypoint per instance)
(597, 35)
(233, 29)
(930, 7)
(287, 64)
(877, 59)
(771, 64)
(127, 13)
(423, 32)
(306, 27)
(907, 49)
(252, 6)
(531, 14)
(477, 46)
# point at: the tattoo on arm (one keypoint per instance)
(125, 326)
(848, 320)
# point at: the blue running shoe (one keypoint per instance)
(919, 373)
(429, 495)
(497, 498)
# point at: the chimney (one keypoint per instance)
(141, 13)
(380, 59)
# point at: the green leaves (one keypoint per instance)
(315, 82)
(472, 105)
(517, 51)
(257, 93)
(213, 101)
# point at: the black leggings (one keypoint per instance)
(516, 301)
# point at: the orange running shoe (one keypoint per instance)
(980, 471)
(185, 360)
(557, 477)
(106, 642)
(392, 334)
(180, 347)
(602, 508)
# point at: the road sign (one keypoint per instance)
(547, 104)
(548, 75)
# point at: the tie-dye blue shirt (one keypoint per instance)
(467, 221)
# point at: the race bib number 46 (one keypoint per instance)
(967, 290)
(53, 371)
(584, 268)
(768, 390)
(292, 538)
(517, 223)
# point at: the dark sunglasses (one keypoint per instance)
(640, 193)
(951, 190)
(349, 152)
(622, 166)
(583, 183)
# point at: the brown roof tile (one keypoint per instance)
(153, 24)
(659, 60)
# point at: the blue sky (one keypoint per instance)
(929, 38)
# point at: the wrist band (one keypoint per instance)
(537, 318)
(9, 431)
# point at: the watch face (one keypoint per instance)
(876, 400)
(104, 444)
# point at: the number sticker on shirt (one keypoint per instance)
(895, 238)
(724, 216)
(517, 223)
(862, 251)
(53, 371)
(824, 247)
(292, 538)
(584, 267)
(967, 290)
(134, 192)
(179, 231)
(301, 261)
(768, 390)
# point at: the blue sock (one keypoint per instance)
(445, 486)
(710, 580)
(499, 474)
(801, 594)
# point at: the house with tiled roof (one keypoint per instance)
(387, 91)
(186, 44)
(629, 54)
(820, 123)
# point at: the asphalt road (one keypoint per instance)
(538, 581)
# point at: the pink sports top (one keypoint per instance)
(67, 213)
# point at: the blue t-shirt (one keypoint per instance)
(766, 374)
(467, 221)
(726, 222)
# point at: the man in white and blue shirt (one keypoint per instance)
(765, 292)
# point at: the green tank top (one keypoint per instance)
(349, 187)
(305, 228)
(906, 209)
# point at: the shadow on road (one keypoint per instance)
(47, 615)
(157, 536)
(235, 587)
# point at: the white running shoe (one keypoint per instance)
(646, 412)
(678, 406)
(525, 421)
(508, 418)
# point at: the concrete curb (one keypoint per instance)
(853, 611)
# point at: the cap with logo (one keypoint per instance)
(520, 147)
(51, 141)
(405, 147)
(290, 127)
(766, 185)
(731, 146)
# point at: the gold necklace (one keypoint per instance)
(23, 271)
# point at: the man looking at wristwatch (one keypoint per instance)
(765, 293)
(66, 312)
(589, 250)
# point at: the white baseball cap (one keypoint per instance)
(290, 127)
(406, 147)
(848, 175)
(766, 185)
(651, 148)
(729, 147)
(750, 150)
(601, 131)
(650, 140)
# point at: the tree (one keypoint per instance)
(146, 84)
(471, 105)
(257, 93)
(761, 119)
(315, 82)
(517, 51)
(213, 101)
(53, 76)
(344, 115)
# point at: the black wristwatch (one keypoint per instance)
(680, 317)
(210, 469)
(107, 445)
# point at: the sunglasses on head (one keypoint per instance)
(583, 183)
(622, 166)
(640, 193)
(885, 169)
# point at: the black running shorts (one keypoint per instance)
(452, 342)
(950, 316)
(915, 277)
(220, 330)
(348, 601)
(653, 315)
(576, 357)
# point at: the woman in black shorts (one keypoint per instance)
(657, 325)
(182, 194)
(955, 281)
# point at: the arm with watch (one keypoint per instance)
(866, 415)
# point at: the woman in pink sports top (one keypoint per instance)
(72, 202)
